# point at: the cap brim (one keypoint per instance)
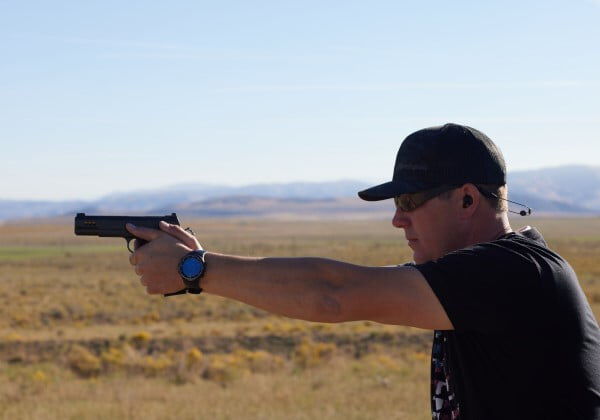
(379, 192)
(389, 190)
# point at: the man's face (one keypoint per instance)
(430, 229)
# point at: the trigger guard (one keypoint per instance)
(128, 242)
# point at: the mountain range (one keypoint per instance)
(565, 190)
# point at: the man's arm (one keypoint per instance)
(313, 289)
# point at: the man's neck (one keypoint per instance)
(487, 230)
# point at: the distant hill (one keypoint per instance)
(11, 209)
(567, 190)
(284, 208)
(187, 193)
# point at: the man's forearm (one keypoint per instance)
(302, 288)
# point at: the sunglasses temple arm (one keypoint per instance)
(522, 212)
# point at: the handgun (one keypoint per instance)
(114, 227)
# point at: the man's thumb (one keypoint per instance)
(176, 231)
(142, 232)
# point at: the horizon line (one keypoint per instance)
(252, 184)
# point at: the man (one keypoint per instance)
(514, 335)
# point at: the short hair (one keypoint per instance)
(497, 201)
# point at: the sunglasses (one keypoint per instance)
(412, 201)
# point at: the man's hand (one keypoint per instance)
(156, 262)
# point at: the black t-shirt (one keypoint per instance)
(525, 343)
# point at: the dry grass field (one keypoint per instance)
(80, 339)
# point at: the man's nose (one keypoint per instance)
(400, 219)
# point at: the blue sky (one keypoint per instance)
(97, 97)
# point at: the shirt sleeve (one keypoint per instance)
(486, 288)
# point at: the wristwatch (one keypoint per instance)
(191, 269)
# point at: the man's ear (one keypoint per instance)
(467, 201)
(470, 199)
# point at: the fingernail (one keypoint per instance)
(130, 225)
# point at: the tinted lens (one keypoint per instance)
(405, 202)
(409, 202)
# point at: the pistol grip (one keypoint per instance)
(142, 242)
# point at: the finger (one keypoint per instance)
(143, 232)
(176, 231)
(132, 258)
(138, 270)
(142, 281)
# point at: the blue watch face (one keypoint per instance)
(191, 267)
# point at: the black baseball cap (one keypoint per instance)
(449, 154)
